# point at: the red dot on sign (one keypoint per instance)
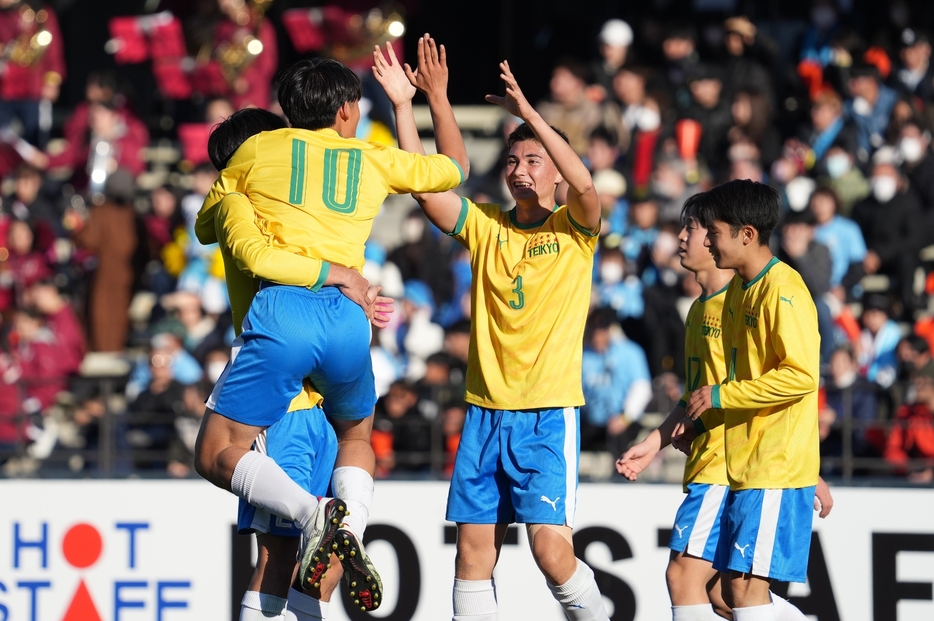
(82, 545)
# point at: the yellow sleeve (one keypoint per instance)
(237, 231)
(473, 221)
(794, 339)
(413, 172)
(232, 179)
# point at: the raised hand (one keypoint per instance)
(514, 102)
(391, 76)
(431, 77)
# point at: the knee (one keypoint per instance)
(474, 562)
(554, 557)
(673, 575)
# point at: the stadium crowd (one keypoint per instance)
(116, 320)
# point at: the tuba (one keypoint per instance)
(364, 31)
(235, 56)
(33, 41)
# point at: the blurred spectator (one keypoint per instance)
(42, 371)
(151, 416)
(642, 232)
(879, 338)
(163, 224)
(616, 380)
(869, 108)
(892, 226)
(22, 267)
(569, 108)
(61, 321)
(913, 355)
(828, 127)
(912, 434)
(611, 190)
(616, 288)
(215, 361)
(712, 111)
(679, 49)
(670, 186)
(420, 257)
(745, 51)
(844, 178)
(203, 267)
(401, 436)
(202, 332)
(34, 67)
(168, 337)
(443, 382)
(817, 40)
(842, 237)
(641, 112)
(850, 394)
(457, 342)
(915, 76)
(752, 137)
(27, 203)
(111, 233)
(798, 248)
(603, 151)
(614, 39)
(914, 145)
(452, 425)
(181, 451)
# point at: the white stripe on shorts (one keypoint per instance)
(765, 540)
(234, 350)
(570, 460)
(707, 516)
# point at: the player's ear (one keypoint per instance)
(345, 111)
(750, 234)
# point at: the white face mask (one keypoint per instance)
(884, 188)
(412, 230)
(845, 380)
(911, 149)
(214, 369)
(838, 165)
(649, 120)
(611, 272)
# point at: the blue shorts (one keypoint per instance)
(697, 523)
(291, 333)
(767, 533)
(516, 466)
(304, 444)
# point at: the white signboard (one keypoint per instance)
(164, 551)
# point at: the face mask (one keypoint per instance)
(798, 191)
(412, 230)
(838, 165)
(649, 120)
(845, 380)
(911, 149)
(884, 188)
(214, 369)
(611, 272)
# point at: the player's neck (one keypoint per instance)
(752, 266)
(713, 280)
(532, 212)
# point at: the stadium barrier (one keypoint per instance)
(137, 550)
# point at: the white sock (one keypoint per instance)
(256, 606)
(580, 597)
(355, 487)
(699, 612)
(755, 613)
(474, 600)
(785, 610)
(261, 482)
(304, 607)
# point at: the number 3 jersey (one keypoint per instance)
(316, 193)
(529, 303)
(705, 365)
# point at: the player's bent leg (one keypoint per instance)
(570, 580)
(751, 600)
(266, 596)
(220, 445)
(474, 593)
(688, 581)
(717, 601)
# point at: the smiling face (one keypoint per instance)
(530, 174)
(692, 248)
(724, 245)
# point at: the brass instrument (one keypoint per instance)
(234, 57)
(366, 30)
(33, 41)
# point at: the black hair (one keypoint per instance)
(740, 203)
(575, 67)
(865, 70)
(689, 210)
(601, 318)
(604, 133)
(312, 91)
(229, 134)
(918, 343)
(524, 132)
(805, 216)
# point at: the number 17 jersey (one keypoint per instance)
(529, 302)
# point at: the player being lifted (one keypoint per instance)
(315, 190)
(693, 583)
(767, 406)
(532, 265)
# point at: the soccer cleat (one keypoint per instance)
(318, 540)
(363, 583)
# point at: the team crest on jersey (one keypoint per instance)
(541, 244)
(752, 316)
(711, 328)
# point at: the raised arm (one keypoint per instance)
(442, 208)
(583, 203)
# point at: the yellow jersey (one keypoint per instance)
(245, 252)
(315, 193)
(529, 301)
(705, 366)
(768, 403)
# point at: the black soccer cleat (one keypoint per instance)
(363, 583)
(318, 539)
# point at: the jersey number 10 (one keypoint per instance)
(333, 180)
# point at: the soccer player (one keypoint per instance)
(767, 406)
(302, 443)
(315, 190)
(532, 266)
(693, 583)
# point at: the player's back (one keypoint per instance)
(316, 193)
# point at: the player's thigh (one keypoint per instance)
(553, 550)
(218, 432)
(478, 548)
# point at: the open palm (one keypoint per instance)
(391, 76)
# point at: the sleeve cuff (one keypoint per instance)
(322, 275)
(699, 426)
(580, 228)
(715, 397)
(682, 403)
(459, 170)
(461, 219)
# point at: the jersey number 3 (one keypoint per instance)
(519, 302)
(341, 177)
